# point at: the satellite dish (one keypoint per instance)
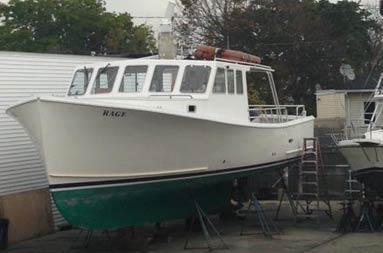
(347, 71)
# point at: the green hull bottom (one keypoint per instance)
(116, 207)
(112, 207)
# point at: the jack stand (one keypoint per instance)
(267, 225)
(88, 238)
(285, 192)
(205, 224)
(348, 221)
(367, 218)
(85, 243)
(161, 234)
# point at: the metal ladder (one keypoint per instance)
(312, 185)
(353, 188)
(349, 220)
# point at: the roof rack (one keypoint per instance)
(258, 66)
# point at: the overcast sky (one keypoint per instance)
(140, 8)
(156, 8)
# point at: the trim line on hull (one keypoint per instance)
(178, 172)
(131, 181)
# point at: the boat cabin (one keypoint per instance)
(214, 89)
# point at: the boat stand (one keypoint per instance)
(348, 221)
(367, 218)
(268, 227)
(87, 240)
(205, 224)
(285, 194)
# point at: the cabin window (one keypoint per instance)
(133, 79)
(239, 81)
(195, 79)
(230, 81)
(80, 82)
(219, 82)
(105, 80)
(164, 78)
(369, 108)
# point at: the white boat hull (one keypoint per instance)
(362, 156)
(81, 142)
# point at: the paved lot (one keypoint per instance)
(306, 236)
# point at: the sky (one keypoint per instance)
(140, 8)
(156, 8)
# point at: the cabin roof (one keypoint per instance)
(212, 63)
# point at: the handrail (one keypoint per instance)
(260, 66)
(171, 95)
(274, 113)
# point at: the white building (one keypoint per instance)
(338, 109)
(24, 196)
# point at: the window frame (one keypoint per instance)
(176, 81)
(225, 81)
(117, 78)
(240, 73)
(372, 105)
(148, 73)
(73, 78)
(210, 74)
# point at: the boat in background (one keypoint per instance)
(137, 141)
(363, 148)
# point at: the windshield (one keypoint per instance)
(104, 80)
(133, 79)
(195, 79)
(80, 82)
(164, 78)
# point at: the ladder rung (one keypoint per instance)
(309, 183)
(309, 172)
(352, 191)
(309, 161)
(310, 152)
(307, 215)
(308, 194)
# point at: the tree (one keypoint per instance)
(306, 41)
(70, 26)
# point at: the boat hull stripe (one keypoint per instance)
(169, 177)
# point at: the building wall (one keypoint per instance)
(331, 110)
(355, 104)
(22, 173)
(331, 105)
(29, 214)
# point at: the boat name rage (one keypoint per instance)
(115, 114)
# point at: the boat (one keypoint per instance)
(139, 141)
(363, 147)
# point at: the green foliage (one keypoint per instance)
(306, 41)
(70, 26)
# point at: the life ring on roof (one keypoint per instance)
(203, 52)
